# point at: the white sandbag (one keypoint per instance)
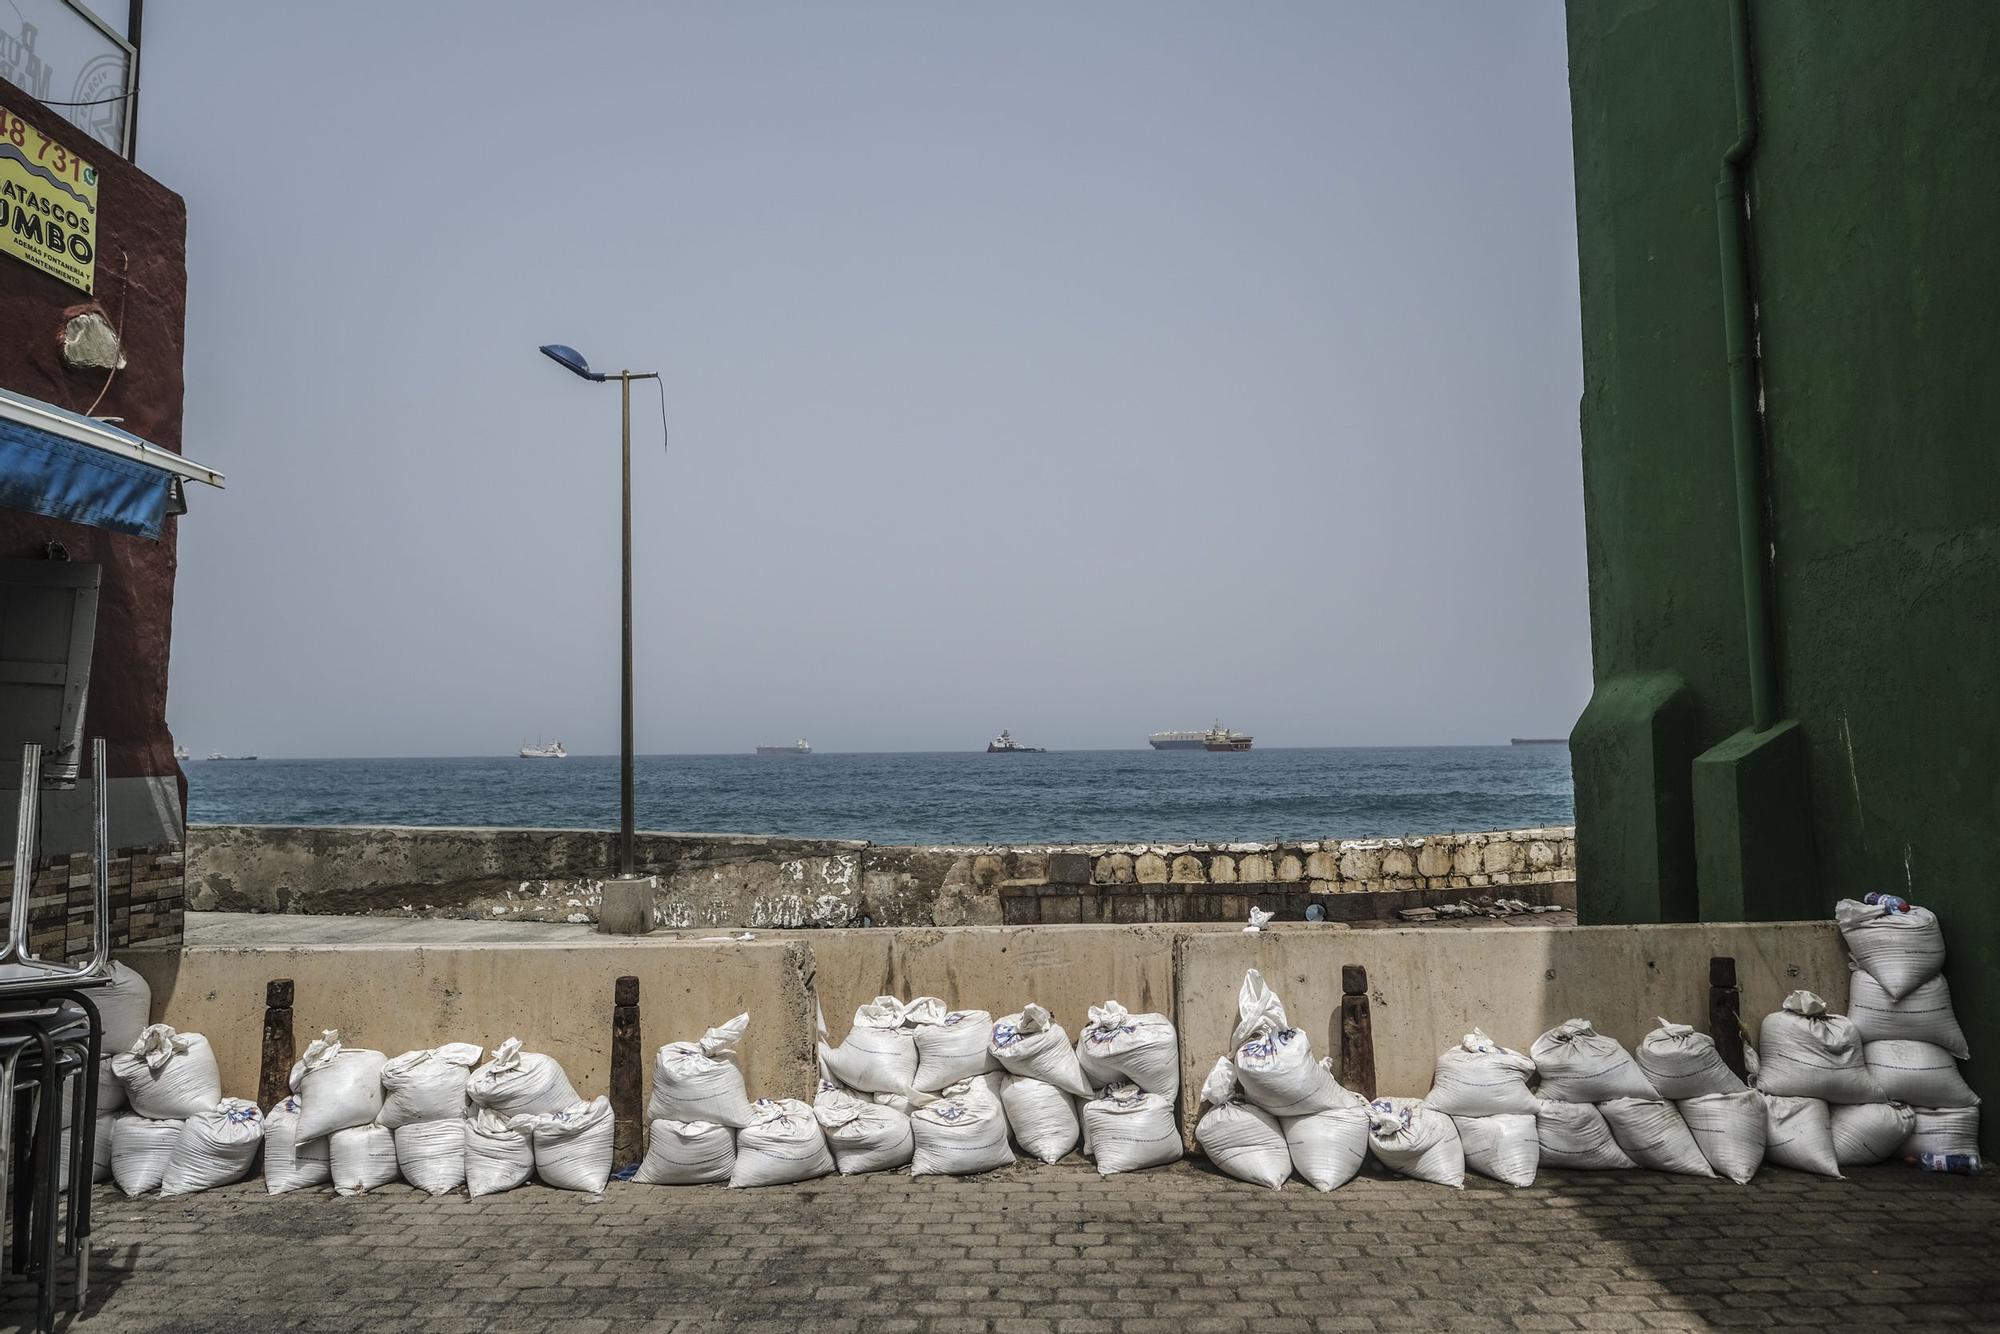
(1505, 1147)
(1479, 1077)
(521, 1083)
(864, 1134)
(1327, 1148)
(1684, 1064)
(1242, 1140)
(217, 1148)
(430, 1155)
(962, 1132)
(363, 1158)
(1865, 1133)
(1925, 1015)
(288, 1164)
(1942, 1130)
(1580, 1064)
(952, 1045)
(141, 1150)
(879, 1055)
(573, 1147)
(1654, 1137)
(169, 1075)
(1804, 1052)
(1729, 1129)
(1129, 1128)
(1118, 1047)
(124, 1008)
(1412, 1140)
(426, 1085)
(1900, 950)
(111, 1091)
(1044, 1119)
(700, 1081)
(687, 1153)
(100, 1145)
(1032, 1045)
(1921, 1074)
(782, 1144)
(1575, 1135)
(1798, 1133)
(1274, 1062)
(499, 1152)
(338, 1086)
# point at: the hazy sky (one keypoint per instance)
(1080, 369)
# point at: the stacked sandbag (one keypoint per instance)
(142, 1148)
(573, 1147)
(1653, 1135)
(701, 1080)
(1730, 1129)
(1681, 1063)
(499, 1152)
(952, 1045)
(1415, 1141)
(864, 1134)
(1044, 1118)
(1866, 1133)
(162, 1078)
(124, 1009)
(1804, 1052)
(1575, 1136)
(362, 1157)
(1241, 1139)
(782, 1144)
(288, 1164)
(1127, 1128)
(687, 1153)
(1119, 1047)
(961, 1132)
(1799, 1135)
(1901, 1007)
(520, 1083)
(879, 1054)
(1483, 1087)
(423, 1107)
(1724, 1116)
(1579, 1064)
(1274, 1063)
(339, 1088)
(1328, 1148)
(1031, 1045)
(215, 1148)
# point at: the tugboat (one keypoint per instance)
(1219, 737)
(799, 747)
(1007, 745)
(553, 751)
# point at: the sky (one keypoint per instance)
(1085, 370)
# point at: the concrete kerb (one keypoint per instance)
(1428, 988)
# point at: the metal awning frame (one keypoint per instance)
(73, 426)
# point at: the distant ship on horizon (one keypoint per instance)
(1217, 738)
(799, 747)
(235, 759)
(1005, 744)
(553, 751)
(1538, 741)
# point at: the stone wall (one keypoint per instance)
(740, 880)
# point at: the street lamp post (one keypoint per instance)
(572, 360)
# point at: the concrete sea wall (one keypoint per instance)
(739, 880)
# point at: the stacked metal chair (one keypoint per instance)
(51, 1039)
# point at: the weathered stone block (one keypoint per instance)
(1222, 869)
(1062, 908)
(1254, 869)
(1465, 857)
(1291, 868)
(1541, 856)
(1500, 856)
(1113, 869)
(1069, 868)
(1361, 862)
(1187, 870)
(1434, 858)
(1322, 865)
(1150, 868)
(1398, 864)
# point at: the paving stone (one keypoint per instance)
(1035, 1248)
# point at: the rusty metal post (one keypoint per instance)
(1725, 1013)
(274, 1070)
(1357, 1033)
(628, 1075)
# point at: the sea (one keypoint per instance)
(956, 797)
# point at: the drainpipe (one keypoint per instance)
(1732, 210)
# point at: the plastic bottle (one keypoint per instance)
(1962, 1164)
(1887, 902)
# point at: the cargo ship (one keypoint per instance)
(553, 751)
(799, 747)
(1004, 744)
(1217, 737)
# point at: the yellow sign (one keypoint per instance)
(48, 203)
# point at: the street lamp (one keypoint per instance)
(570, 359)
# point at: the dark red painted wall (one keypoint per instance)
(142, 290)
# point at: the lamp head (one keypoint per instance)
(571, 359)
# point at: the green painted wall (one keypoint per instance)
(1876, 231)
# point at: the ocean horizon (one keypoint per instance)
(924, 797)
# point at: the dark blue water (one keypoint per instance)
(1074, 796)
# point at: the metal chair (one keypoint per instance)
(48, 1021)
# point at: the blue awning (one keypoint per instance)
(67, 466)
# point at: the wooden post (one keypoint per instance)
(274, 1070)
(628, 1082)
(1357, 1033)
(1725, 1013)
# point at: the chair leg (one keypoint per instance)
(6, 1145)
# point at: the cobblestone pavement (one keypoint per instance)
(1056, 1249)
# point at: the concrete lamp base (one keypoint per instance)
(626, 907)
